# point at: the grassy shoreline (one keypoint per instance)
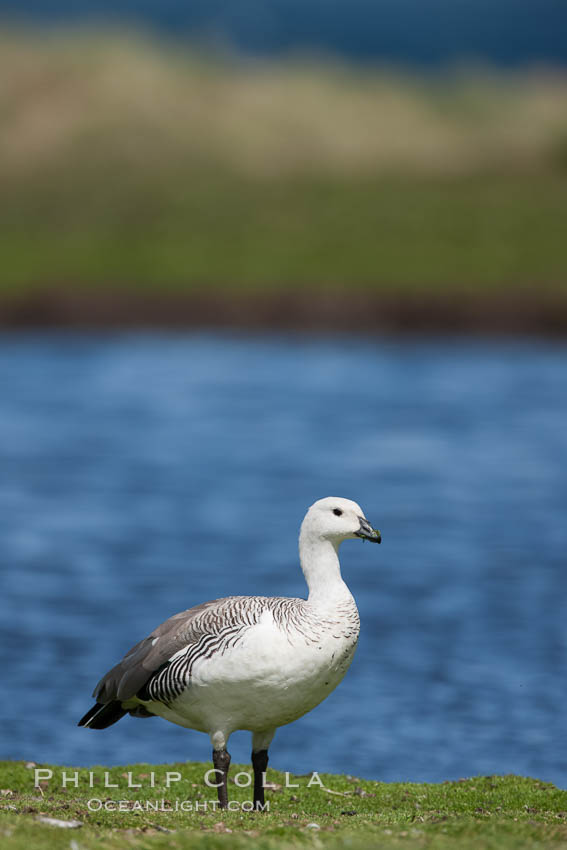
(177, 233)
(316, 811)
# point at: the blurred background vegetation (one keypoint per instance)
(128, 161)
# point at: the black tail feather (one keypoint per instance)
(100, 716)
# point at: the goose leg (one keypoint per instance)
(260, 743)
(260, 764)
(221, 763)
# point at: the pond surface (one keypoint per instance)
(142, 474)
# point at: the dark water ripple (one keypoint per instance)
(142, 474)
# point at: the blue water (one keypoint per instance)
(143, 474)
(416, 32)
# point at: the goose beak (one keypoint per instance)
(367, 532)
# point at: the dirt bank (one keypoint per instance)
(526, 313)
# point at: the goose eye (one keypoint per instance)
(337, 512)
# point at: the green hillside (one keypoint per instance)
(127, 164)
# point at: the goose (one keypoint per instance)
(247, 662)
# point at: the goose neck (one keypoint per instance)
(319, 560)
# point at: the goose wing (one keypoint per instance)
(193, 629)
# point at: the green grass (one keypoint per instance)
(484, 812)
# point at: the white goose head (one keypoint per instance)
(337, 519)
